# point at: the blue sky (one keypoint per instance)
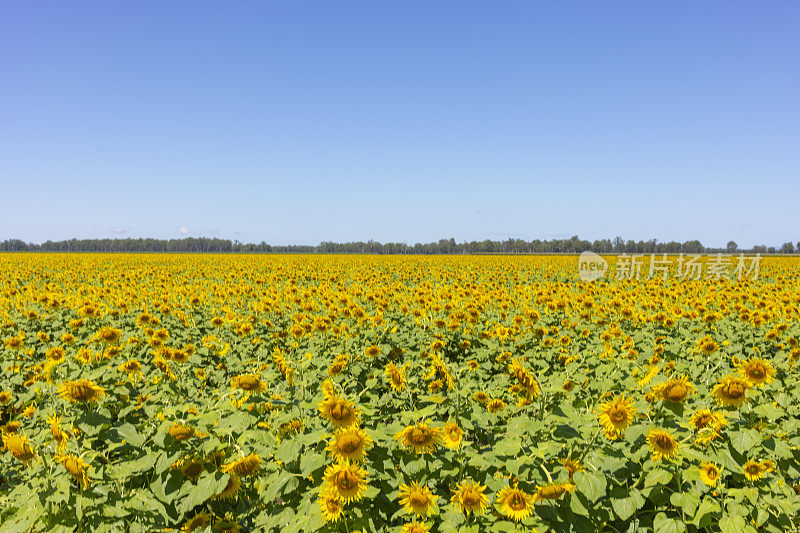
(298, 122)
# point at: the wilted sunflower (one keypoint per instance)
(730, 391)
(753, 470)
(616, 414)
(709, 474)
(417, 499)
(349, 480)
(330, 504)
(495, 405)
(572, 466)
(181, 431)
(676, 390)
(61, 437)
(481, 397)
(249, 383)
(340, 412)
(396, 377)
(76, 467)
(756, 371)
(469, 497)
(18, 446)
(349, 443)
(420, 437)
(514, 503)
(663, 444)
(244, 466)
(231, 489)
(452, 435)
(191, 467)
(109, 335)
(552, 491)
(82, 390)
(201, 520)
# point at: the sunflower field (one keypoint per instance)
(394, 393)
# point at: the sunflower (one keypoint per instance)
(56, 354)
(676, 390)
(469, 497)
(181, 431)
(572, 466)
(82, 390)
(330, 504)
(495, 405)
(131, 367)
(420, 437)
(248, 382)
(663, 444)
(61, 437)
(201, 520)
(552, 491)
(244, 466)
(473, 365)
(753, 470)
(349, 480)
(707, 345)
(109, 335)
(708, 424)
(340, 412)
(349, 443)
(191, 467)
(232, 488)
(18, 446)
(416, 527)
(481, 397)
(417, 499)
(730, 391)
(709, 473)
(226, 525)
(452, 435)
(396, 377)
(5, 397)
(514, 503)
(758, 372)
(76, 468)
(616, 414)
(372, 351)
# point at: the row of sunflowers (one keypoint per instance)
(410, 394)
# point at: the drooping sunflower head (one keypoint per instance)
(730, 391)
(553, 491)
(82, 390)
(244, 466)
(617, 413)
(59, 435)
(675, 390)
(131, 367)
(417, 499)
(191, 467)
(572, 466)
(469, 497)
(756, 371)
(248, 382)
(396, 377)
(452, 435)
(495, 405)
(340, 412)
(232, 488)
(18, 445)
(420, 437)
(662, 444)
(331, 505)
(709, 473)
(181, 431)
(349, 480)
(481, 397)
(76, 468)
(199, 521)
(514, 503)
(350, 443)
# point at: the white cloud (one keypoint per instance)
(183, 230)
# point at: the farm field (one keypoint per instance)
(394, 393)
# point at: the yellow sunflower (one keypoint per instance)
(61, 437)
(676, 390)
(572, 466)
(350, 443)
(469, 497)
(330, 504)
(495, 405)
(340, 412)
(18, 446)
(420, 437)
(180, 431)
(249, 383)
(514, 503)
(5, 397)
(244, 466)
(396, 377)
(553, 491)
(416, 527)
(756, 371)
(349, 480)
(708, 424)
(200, 521)
(730, 391)
(616, 414)
(452, 435)
(76, 467)
(753, 470)
(663, 444)
(417, 499)
(709, 473)
(82, 390)
(232, 488)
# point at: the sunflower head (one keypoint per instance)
(348, 480)
(756, 371)
(452, 435)
(181, 431)
(553, 491)
(76, 468)
(244, 466)
(420, 437)
(231, 489)
(82, 391)
(617, 413)
(200, 521)
(709, 473)
(417, 499)
(396, 377)
(730, 391)
(675, 390)
(662, 444)
(332, 507)
(514, 503)
(469, 497)
(248, 382)
(18, 446)
(349, 443)
(340, 412)
(754, 470)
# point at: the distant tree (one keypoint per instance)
(787, 248)
(731, 247)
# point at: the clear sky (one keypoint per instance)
(298, 122)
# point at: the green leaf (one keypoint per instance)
(688, 501)
(591, 484)
(627, 505)
(131, 436)
(208, 486)
(744, 439)
(732, 524)
(662, 524)
(657, 477)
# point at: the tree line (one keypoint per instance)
(443, 246)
